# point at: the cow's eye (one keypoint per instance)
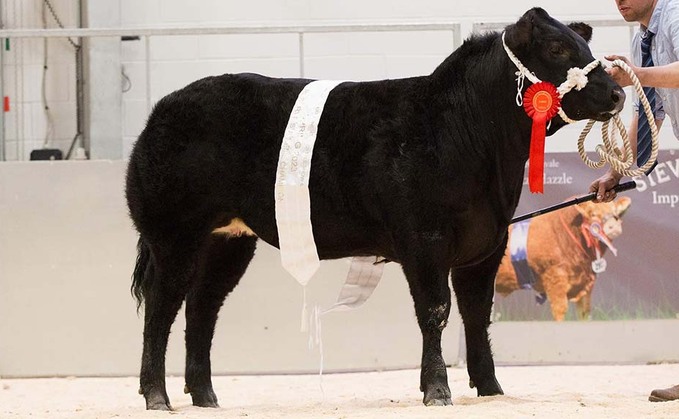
(556, 49)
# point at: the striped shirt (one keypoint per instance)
(664, 24)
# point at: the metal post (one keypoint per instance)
(147, 49)
(2, 92)
(80, 83)
(457, 36)
(301, 54)
(78, 141)
(2, 97)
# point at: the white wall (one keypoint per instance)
(178, 60)
(26, 124)
(357, 56)
(141, 13)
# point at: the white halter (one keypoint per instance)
(575, 78)
(608, 153)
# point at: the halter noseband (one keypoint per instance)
(576, 78)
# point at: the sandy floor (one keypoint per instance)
(542, 392)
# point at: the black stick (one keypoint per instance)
(620, 188)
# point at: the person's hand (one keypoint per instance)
(604, 186)
(619, 75)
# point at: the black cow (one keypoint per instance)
(423, 171)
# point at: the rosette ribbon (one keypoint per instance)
(541, 102)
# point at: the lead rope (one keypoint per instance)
(621, 161)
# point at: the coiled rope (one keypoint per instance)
(621, 160)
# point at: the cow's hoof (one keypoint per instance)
(438, 402)
(437, 395)
(158, 405)
(489, 388)
(204, 399)
(157, 401)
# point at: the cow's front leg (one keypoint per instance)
(474, 291)
(431, 294)
(584, 305)
(555, 282)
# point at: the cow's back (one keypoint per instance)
(199, 139)
(210, 152)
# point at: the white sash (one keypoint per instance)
(293, 215)
(364, 275)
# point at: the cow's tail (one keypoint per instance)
(143, 269)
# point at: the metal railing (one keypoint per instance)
(147, 33)
(498, 26)
(300, 30)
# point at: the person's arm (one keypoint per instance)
(666, 76)
(662, 76)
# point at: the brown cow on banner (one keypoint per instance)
(561, 253)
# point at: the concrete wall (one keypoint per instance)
(26, 124)
(67, 250)
(102, 103)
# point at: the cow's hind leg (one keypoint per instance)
(474, 291)
(168, 275)
(431, 294)
(227, 259)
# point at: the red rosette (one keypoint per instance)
(541, 102)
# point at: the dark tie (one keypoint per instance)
(644, 129)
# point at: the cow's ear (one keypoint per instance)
(519, 35)
(622, 204)
(582, 29)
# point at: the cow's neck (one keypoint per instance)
(574, 234)
(479, 86)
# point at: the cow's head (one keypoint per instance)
(607, 214)
(549, 49)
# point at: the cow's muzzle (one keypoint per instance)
(618, 99)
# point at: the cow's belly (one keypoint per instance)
(477, 236)
(235, 228)
(335, 235)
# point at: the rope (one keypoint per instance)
(49, 131)
(621, 161)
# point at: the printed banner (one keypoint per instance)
(611, 261)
